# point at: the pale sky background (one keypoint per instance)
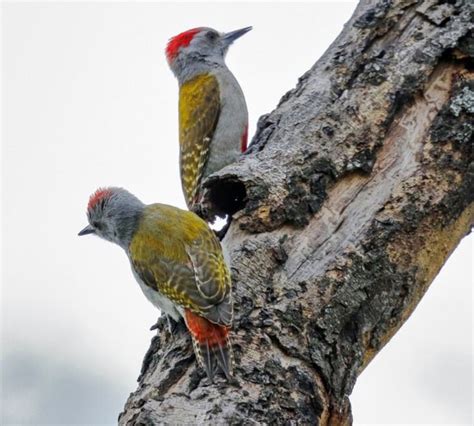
(88, 100)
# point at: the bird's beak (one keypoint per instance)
(87, 230)
(229, 38)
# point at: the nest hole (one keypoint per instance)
(227, 197)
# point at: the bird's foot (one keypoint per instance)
(166, 321)
(159, 325)
(172, 324)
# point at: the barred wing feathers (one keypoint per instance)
(199, 107)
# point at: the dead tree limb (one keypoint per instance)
(355, 191)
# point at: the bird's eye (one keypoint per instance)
(97, 225)
(211, 35)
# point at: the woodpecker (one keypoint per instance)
(213, 117)
(178, 263)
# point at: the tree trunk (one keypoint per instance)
(354, 192)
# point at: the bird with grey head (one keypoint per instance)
(213, 117)
(178, 263)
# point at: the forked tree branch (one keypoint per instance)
(355, 191)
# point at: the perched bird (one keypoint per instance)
(213, 117)
(179, 264)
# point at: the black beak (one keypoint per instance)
(229, 38)
(87, 230)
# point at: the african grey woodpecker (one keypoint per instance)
(213, 117)
(179, 264)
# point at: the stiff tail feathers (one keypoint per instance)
(211, 344)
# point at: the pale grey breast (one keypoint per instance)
(165, 305)
(233, 118)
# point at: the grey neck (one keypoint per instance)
(188, 66)
(123, 213)
(126, 225)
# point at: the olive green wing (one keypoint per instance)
(211, 274)
(199, 107)
(186, 266)
(173, 280)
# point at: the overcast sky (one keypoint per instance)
(88, 100)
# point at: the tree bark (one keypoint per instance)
(353, 194)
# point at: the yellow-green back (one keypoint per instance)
(177, 254)
(199, 106)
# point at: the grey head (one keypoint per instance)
(113, 214)
(199, 50)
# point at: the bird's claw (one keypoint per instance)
(171, 324)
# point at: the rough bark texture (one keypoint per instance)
(355, 191)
